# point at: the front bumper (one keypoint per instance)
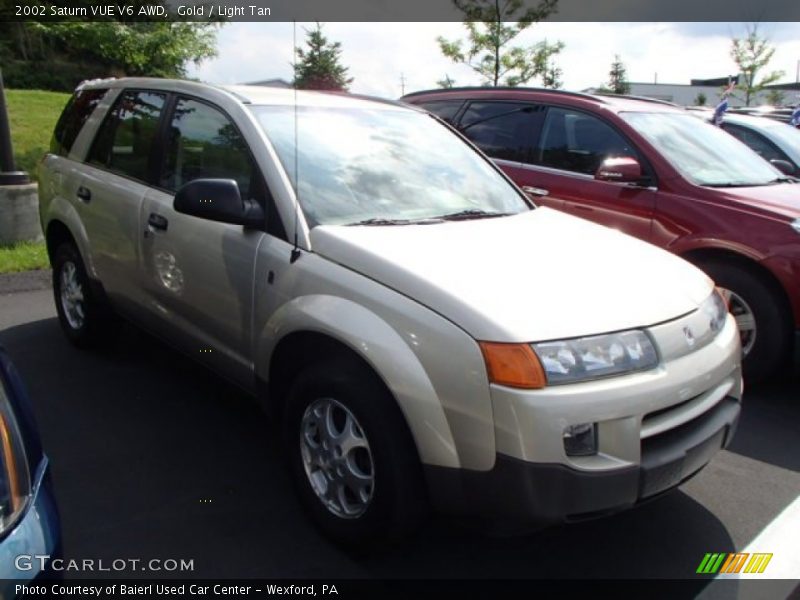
(540, 493)
(654, 429)
(37, 534)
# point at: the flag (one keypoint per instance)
(719, 111)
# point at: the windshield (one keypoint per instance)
(381, 166)
(703, 153)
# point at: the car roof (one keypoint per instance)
(251, 94)
(756, 122)
(614, 103)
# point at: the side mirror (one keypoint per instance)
(784, 166)
(218, 200)
(623, 169)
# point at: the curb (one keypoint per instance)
(26, 281)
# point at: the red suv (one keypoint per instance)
(656, 172)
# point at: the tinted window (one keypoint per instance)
(576, 141)
(756, 141)
(502, 129)
(125, 140)
(444, 109)
(76, 113)
(202, 143)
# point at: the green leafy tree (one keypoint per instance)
(446, 83)
(775, 98)
(153, 49)
(491, 26)
(700, 99)
(551, 75)
(618, 77)
(319, 66)
(752, 54)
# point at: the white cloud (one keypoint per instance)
(378, 53)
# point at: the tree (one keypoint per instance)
(618, 78)
(775, 98)
(551, 75)
(491, 26)
(701, 99)
(446, 83)
(319, 67)
(58, 55)
(152, 49)
(752, 54)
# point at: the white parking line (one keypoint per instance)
(779, 538)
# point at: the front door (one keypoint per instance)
(198, 274)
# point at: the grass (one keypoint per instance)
(23, 256)
(33, 115)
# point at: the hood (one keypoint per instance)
(536, 276)
(782, 199)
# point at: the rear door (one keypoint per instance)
(507, 131)
(198, 274)
(115, 181)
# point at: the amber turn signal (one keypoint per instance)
(513, 365)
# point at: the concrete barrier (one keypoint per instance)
(19, 214)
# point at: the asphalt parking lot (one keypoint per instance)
(153, 457)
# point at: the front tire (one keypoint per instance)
(760, 312)
(351, 456)
(83, 316)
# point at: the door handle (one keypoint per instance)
(534, 191)
(84, 194)
(157, 222)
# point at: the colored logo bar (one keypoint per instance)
(733, 562)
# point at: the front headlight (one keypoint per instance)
(716, 309)
(15, 486)
(582, 359)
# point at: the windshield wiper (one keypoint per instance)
(784, 180)
(472, 213)
(383, 221)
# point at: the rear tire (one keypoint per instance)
(85, 318)
(760, 311)
(386, 500)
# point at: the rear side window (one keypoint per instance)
(77, 111)
(444, 109)
(576, 141)
(504, 130)
(203, 143)
(124, 143)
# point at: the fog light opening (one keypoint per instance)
(581, 440)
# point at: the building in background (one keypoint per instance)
(688, 94)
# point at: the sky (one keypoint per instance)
(379, 54)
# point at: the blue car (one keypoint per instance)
(30, 533)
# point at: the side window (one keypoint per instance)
(77, 111)
(576, 141)
(503, 130)
(202, 143)
(756, 141)
(125, 140)
(444, 109)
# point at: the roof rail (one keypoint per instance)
(99, 80)
(366, 97)
(508, 89)
(635, 97)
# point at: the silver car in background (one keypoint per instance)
(426, 335)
